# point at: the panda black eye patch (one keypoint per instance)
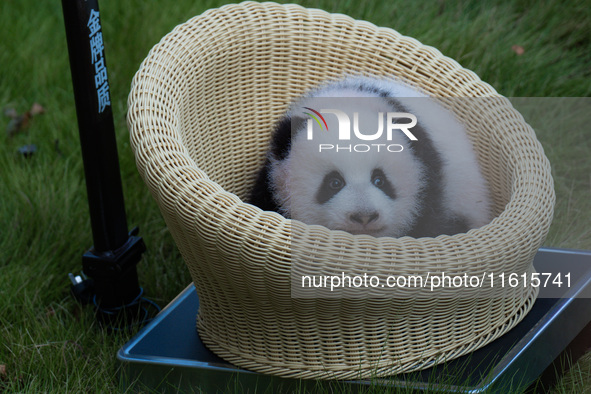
(332, 183)
(379, 180)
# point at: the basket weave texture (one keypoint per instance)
(201, 110)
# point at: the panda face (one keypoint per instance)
(364, 201)
(364, 215)
(361, 193)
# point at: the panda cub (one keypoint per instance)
(418, 180)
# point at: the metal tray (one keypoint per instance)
(167, 354)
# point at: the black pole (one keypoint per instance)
(95, 123)
(111, 262)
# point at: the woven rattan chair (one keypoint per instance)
(201, 111)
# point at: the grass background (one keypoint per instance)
(47, 342)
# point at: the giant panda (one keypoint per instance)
(423, 183)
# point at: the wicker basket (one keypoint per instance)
(201, 110)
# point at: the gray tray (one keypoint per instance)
(167, 354)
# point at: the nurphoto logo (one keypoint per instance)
(344, 130)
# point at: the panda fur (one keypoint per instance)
(432, 187)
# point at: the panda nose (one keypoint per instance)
(364, 218)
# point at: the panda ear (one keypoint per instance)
(281, 140)
(279, 181)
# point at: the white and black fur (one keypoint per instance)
(433, 187)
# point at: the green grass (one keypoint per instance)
(47, 342)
